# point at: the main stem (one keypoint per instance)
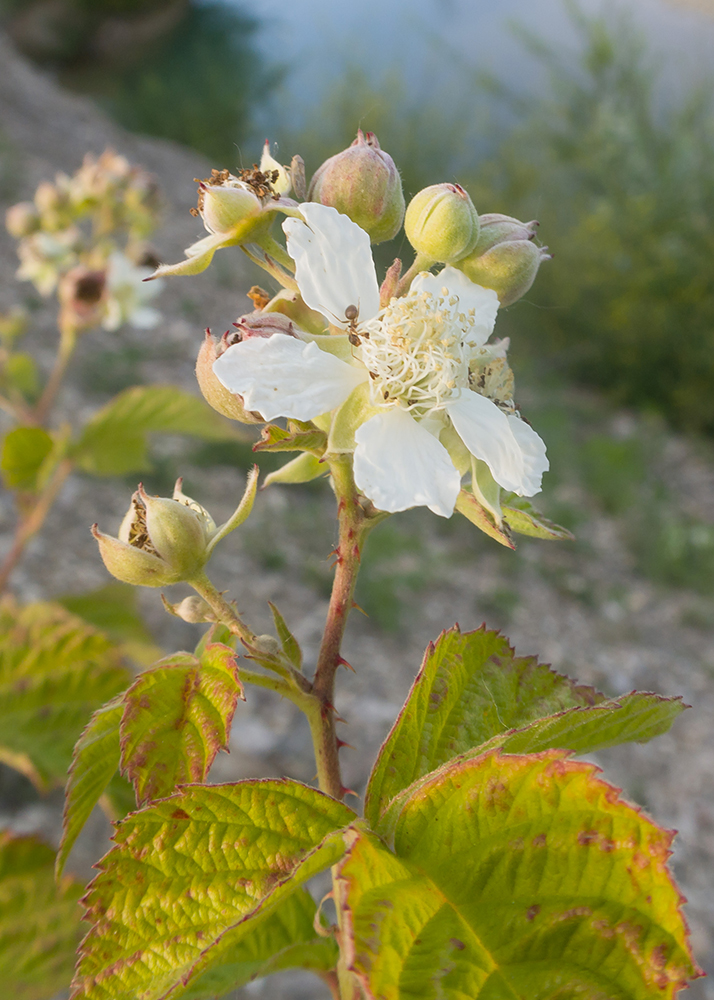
(348, 552)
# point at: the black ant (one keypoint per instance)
(351, 315)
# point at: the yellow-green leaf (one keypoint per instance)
(192, 876)
(516, 878)
(55, 670)
(39, 921)
(24, 450)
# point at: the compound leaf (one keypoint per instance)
(177, 716)
(193, 876)
(522, 877)
(40, 921)
(55, 670)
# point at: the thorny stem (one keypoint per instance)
(33, 521)
(352, 531)
(224, 612)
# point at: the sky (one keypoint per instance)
(316, 39)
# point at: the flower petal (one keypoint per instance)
(511, 453)
(532, 448)
(333, 263)
(483, 301)
(398, 464)
(281, 376)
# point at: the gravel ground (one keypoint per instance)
(584, 609)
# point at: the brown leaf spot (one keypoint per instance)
(576, 911)
(532, 911)
(640, 860)
(603, 928)
(539, 840)
(496, 795)
(455, 943)
(179, 814)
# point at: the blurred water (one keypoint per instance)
(427, 39)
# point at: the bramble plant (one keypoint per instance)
(488, 862)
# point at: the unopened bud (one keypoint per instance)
(225, 207)
(191, 609)
(508, 268)
(363, 183)
(22, 219)
(214, 392)
(281, 178)
(497, 228)
(441, 223)
(267, 644)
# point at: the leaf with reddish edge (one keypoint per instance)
(470, 688)
(468, 505)
(522, 877)
(40, 921)
(177, 716)
(193, 875)
(298, 437)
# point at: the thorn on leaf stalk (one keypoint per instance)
(343, 743)
(349, 791)
(356, 607)
(342, 662)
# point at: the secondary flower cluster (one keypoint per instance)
(83, 236)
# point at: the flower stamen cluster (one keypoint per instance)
(417, 351)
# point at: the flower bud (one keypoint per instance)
(441, 223)
(363, 183)
(191, 609)
(495, 228)
(508, 268)
(214, 392)
(22, 219)
(160, 542)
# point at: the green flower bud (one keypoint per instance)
(441, 223)
(163, 541)
(508, 268)
(214, 392)
(497, 228)
(191, 609)
(363, 183)
(22, 219)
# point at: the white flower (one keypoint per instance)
(421, 365)
(128, 295)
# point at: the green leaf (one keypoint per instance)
(113, 609)
(19, 375)
(302, 469)
(39, 921)
(114, 441)
(290, 645)
(23, 452)
(298, 437)
(174, 895)
(516, 877)
(55, 670)
(468, 505)
(470, 688)
(636, 717)
(285, 939)
(177, 716)
(96, 760)
(523, 518)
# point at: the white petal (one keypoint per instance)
(534, 458)
(281, 376)
(483, 301)
(511, 454)
(333, 263)
(398, 464)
